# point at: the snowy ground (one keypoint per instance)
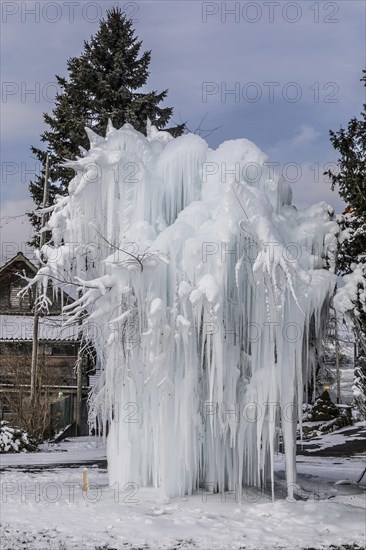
(346, 441)
(74, 450)
(44, 507)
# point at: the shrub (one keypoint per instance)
(324, 408)
(15, 440)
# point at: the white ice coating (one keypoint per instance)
(209, 292)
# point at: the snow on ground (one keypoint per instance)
(345, 435)
(46, 508)
(70, 451)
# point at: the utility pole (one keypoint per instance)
(355, 354)
(79, 384)
(34, 364)
(336, 345)
(79, 393)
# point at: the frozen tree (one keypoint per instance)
(205, 292)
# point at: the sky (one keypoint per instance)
(278, 73)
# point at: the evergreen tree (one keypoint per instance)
(351, 181)
(103, 82)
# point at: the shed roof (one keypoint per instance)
(18, 258)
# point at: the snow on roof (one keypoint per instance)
(18, 258)
(18, 327)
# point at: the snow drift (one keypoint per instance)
(204, 292)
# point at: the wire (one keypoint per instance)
(7, 219)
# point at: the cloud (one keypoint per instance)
(22, 122)
(310, 186)
(306, 134)
(186, 51)
(292, 148)
(15, 229)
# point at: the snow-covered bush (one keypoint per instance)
(325, 417)
(324, 409)
(15, 440)
(337, 424)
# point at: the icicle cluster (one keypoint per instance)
(206, 294)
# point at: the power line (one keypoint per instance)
(7, 219)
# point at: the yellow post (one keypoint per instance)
(85, 480)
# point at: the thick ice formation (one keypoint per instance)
(206, 294)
